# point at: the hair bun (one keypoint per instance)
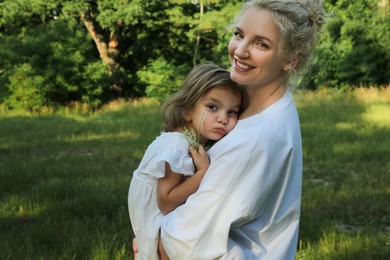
(312, 18)
(316, 14)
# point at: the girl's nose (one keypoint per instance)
(222, 119)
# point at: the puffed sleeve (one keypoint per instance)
(178, 159)
(169, 148)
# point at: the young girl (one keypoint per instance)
(208, 106)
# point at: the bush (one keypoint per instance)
(24, 87)
(354, 48)
(162, 78)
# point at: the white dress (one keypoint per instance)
(248, 203)
(145, 215)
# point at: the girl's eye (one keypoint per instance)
(237, 34)
(232, 113)
(212, 107)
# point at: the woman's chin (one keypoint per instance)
(237, 78)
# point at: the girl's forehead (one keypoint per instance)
(220, 93)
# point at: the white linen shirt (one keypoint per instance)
(248, 204)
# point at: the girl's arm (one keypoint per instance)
(172, 191)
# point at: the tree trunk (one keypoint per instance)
(109, 53)
(201, 10)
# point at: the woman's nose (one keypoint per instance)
(242, 50)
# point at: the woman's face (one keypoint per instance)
(255, 50)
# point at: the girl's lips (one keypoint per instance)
(220, 131)
(242, 66)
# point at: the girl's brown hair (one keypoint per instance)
(201, 79)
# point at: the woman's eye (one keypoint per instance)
(261, 45)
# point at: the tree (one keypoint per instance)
(96, 50)
(201, 34)
(354, 48)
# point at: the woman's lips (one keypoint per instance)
(242, 66)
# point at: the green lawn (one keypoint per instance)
(64, 178)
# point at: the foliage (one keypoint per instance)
(162, 78)
(354, 48)
(52, 62)
(96, 51)
(25, 88)
(63, 42)
(180, 25)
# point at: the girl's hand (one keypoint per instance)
(201, 159)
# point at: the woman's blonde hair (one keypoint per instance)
(299, 22)
(201, 80)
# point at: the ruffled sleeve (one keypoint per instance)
(171, 148)
(178, 160)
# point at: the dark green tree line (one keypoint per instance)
(354, 48)
(56, 52)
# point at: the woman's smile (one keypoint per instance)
(241, 66)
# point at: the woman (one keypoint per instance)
(248, 204)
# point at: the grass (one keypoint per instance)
(64, 180)
(65, 175)
(346, 191)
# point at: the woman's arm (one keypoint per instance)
(172, 191)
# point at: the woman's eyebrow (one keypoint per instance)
(261, 37)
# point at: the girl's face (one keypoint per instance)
(255, 50)
(215, 114)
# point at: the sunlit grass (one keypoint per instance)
(65, 175)
(346, 146)
(20, 207)
(90, 137)
(346, 244)
(64, 180)
(378, 115)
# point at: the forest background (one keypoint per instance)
(58, 53)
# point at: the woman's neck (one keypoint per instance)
(262, 97)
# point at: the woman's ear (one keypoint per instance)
(292, 62)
